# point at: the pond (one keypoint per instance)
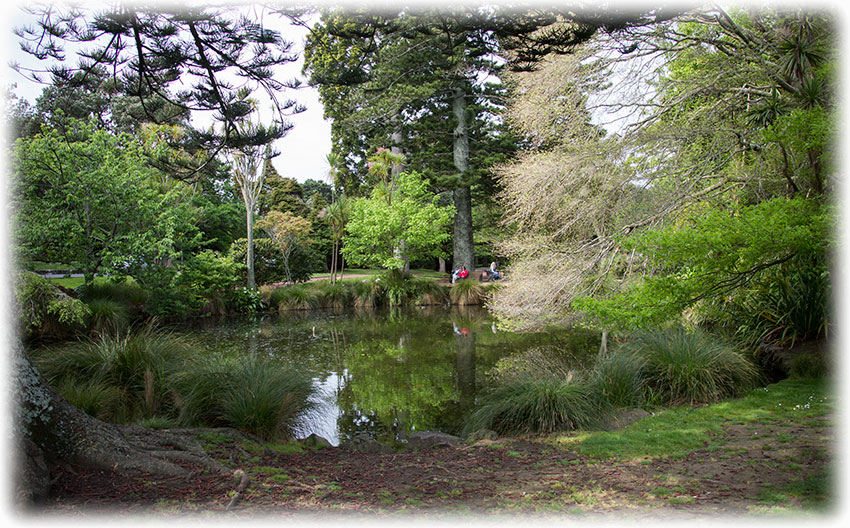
(389, 373)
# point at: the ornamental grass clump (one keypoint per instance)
(296, 297)
(253, 394)
(430, 292)
(333, 296)
(137, 363)
(107, 316)
(618, 379)
(689, 367)
(538, 405)
(365, 294)
(467, 292)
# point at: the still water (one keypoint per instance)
(389, 373)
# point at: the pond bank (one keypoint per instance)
(767, 454)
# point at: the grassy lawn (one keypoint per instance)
(68, 282)
(678, 431)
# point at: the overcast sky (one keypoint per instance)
(303, 150)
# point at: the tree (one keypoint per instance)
(288, 232)
(418, 76)
(175, 55)
(337, 215)
(640, 226)
(249, 178)
(406, 213)
(88, 198)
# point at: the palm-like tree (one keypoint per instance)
(337, 215)
(334, 161)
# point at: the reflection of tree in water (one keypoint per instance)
(392, 390)
(388, 372)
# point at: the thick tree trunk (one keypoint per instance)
(464, 252)
(401, 250)
(48, 428)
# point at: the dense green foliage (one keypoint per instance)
(40, 306)
(713, 209)
(400, 219)
(88, 197)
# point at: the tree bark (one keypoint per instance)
(464, 251)
(249, 252)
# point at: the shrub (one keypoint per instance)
(688, 367)
(268, 261)
(791, 303)
(44, 310)
(246, 301)
(124, 290)
(538, 405)
(397, 286)
(209, 275)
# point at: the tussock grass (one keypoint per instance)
(538, 405)
(137, 363)
(107, 316)
(295, 297)
(687, 367)
(253, 394)
(618, 378)
(468, 292)
(430, 292)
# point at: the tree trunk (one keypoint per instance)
(395, 139)
(47, 427)
(464, 251)
(249, 253)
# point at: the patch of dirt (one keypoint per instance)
(508, 476)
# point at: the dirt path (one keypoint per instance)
(520, 476)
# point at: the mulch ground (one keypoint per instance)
(503, 477)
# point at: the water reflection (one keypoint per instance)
(387, 373)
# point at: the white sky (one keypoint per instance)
(303, 150)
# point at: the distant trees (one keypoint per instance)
(87, 198)
(397, 221)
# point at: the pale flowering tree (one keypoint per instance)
(248, 173)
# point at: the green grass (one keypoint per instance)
(678, 431)
(537, 405)
(682, 366)
(253, 394)
(71, 283)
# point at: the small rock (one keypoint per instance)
(315, 440)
